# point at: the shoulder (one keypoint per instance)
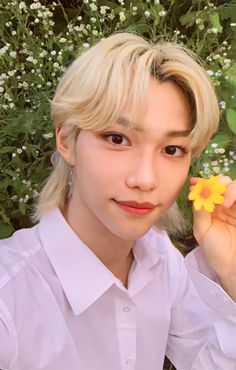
(15, 255)
(16, 251)
(160, 242)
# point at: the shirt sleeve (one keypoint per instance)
(203, 321)
(8, 339)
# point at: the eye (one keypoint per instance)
(175, 150)
(117, 139)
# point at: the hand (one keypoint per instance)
(216, 235)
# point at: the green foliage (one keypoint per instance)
(39, 39)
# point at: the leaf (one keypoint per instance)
(215, 21)
(188, 19)
(231, 119)
(222, 138)
(7, 149)
(5, 231)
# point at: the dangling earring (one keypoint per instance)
(70, 185)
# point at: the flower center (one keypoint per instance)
(205, 193)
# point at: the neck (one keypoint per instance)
(116, 254)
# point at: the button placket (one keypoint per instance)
(126, 318)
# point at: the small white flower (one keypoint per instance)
(43, 53)
(211, 73)
(222, 104)
(122, 16)
(93, 20)
(12, 54)
(214, 145)
(4, 49)
(201, 27)
(19, 150)
(1, 89)
(11, 73)
(11, 105)
(198, 21)
(93, 7)
(62, 40)
(103, 9)
(35, 5)
(221, 150)
(30, 59)
(162, 13)
(147, 13)
(156, 2)
(53, 52)
(214, 30)
(48, 135)
(86, 45)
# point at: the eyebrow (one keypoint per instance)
(127, 124)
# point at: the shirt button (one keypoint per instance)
(129, 361)
(126, 309)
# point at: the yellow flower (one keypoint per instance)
(206, 193)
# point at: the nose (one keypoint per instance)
(143, 173)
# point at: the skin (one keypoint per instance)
(216, 235)
(143, 165)
(146, 166)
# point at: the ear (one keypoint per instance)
(63, 143)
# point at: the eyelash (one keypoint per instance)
(183, 150)
(108, 135)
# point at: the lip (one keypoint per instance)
(136, 208)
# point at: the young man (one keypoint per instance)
(94, 285)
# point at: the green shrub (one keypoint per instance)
(38, 40)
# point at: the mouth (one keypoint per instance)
(136, 207)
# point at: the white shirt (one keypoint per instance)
(62, 309)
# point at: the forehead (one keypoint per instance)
(129, 125)
(166, 110)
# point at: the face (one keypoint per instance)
(125, 179)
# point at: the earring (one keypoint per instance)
(55, 158)
(70, 185)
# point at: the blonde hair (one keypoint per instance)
(115, 73)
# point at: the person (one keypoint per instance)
(96, 284)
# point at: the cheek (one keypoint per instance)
(174, 179)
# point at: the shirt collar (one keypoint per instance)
(83, 276)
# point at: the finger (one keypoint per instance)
(202, 222)
(230, 195)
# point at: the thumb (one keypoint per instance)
(202, 222)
